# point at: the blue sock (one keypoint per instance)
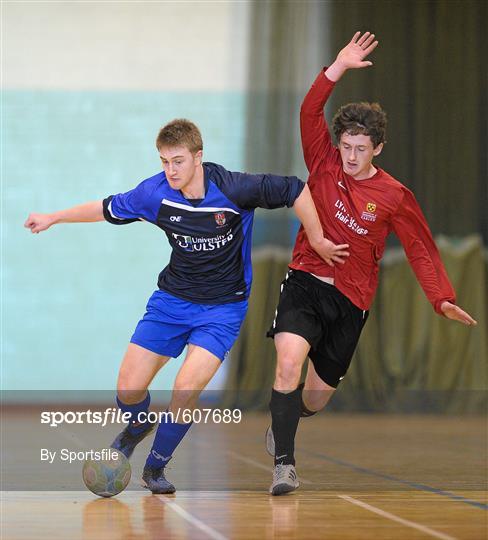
(135, 427)
(168, 437)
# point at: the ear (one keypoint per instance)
(198, 157)
(378, 149)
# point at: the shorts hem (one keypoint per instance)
(221, 357)
(272, 333)
(153, 349)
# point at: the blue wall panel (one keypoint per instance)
(73, 294)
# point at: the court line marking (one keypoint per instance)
(415, 485)
(212, 533)
(261, 466)
(363, 470)
(393, 517)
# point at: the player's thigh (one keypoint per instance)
(291, 347)
(198, 368)
(195, 373)
(297, 311)
(292, 350)
(332, 356)
(138, 368)
(216, 328)
(165, 327)
(316, 392)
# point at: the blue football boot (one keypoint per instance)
(126, 442)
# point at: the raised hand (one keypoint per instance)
(451, 311)
(353, 55)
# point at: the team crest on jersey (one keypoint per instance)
(220, 218)
(369, 215)
(371, 207)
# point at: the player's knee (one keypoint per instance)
(127, 389)
(184, 393)
(288, 372)
(316, 400)
(183, 384)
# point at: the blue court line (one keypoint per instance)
(420, 487)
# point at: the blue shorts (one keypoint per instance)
(171, 323)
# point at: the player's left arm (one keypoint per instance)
(251, 191)
(451, 311)
(411, 228)
(307, 214)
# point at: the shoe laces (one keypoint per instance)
(280, 471)
(161, 472)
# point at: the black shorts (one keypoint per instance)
(323, 316)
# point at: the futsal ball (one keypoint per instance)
(108, 475)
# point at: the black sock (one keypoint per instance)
(285, 414)
(304, 412)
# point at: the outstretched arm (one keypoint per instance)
(307, 214)
(451, 311)
(411, 228)
(83, 213)
(352, 56)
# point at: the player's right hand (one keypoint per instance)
(38, 222)
(332, 253)
(354, 53)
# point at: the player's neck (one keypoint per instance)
(195, 189)
(368, 173)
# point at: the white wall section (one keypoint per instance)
(125, 45)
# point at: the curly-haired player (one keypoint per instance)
(323, 308)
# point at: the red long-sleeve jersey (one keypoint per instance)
(361, 213)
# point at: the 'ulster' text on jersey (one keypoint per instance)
(210, 238)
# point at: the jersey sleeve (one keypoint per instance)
(138, 204)
(411, 228)
(316, 141)
(250, 191)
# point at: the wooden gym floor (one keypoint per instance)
(362, 476)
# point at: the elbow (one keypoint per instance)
(302, 194)
(304, 113)
(304, 109)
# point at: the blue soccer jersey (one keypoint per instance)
(211, 241)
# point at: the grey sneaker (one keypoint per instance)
(284, 479)
(269, 441)
(155, 480)
(126, 442)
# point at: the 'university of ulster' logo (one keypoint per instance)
(220, 218)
